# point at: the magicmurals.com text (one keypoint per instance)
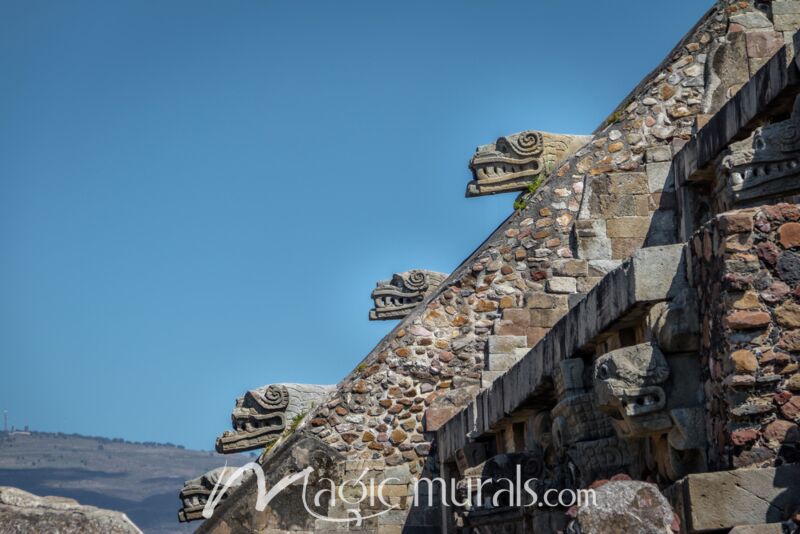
(371, 493)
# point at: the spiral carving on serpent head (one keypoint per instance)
(416, 281)
(528, 143)
(274, 398)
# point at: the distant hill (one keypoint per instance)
(140, 479)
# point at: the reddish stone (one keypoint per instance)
(538, 275)
(789, 235)
(736, 222)
(773, 213)
(790, 212)
(341, 410)
(772, 357)
(791, 409)
(782, 397)
(745, 320)
(402, 352)
(744, 436)
(445, 356)
(319, 421)
(780, 430)
(763, 43)
(385, 403)
(775, 292)
(675, 526)
(436, 417)
(349, 437)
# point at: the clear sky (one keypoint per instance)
(196, 198)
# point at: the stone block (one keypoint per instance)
(436, 416)
(751, 20)
(763, 44)
(590, 227)
(517, 315)
(624, 247)
(602, 267)
(572, 267)
(663, 228)
(544, 301)
(756, 63)
(505, 344)
(509, 328)
(628, 183)
(658, 154)
(546, 318)
(562, 284)
(659, 272)
(497, 361)
(611, 206)
(764, 528)
(487, 377)
(535, 334)
(628, 226)
(587, 283)
(658, 176)
(787, 22)
(725, 499)
(785, 7)
(594, 247)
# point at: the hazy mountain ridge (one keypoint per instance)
(140, 479)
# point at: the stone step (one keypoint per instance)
(711, 502)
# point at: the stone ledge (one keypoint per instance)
(710, 502)
(651, 275)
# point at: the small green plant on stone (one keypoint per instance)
(520, 204)
(296, 421)
(534, 185)
(360, 367)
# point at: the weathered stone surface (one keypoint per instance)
(21, 512)
(626, 507)
(628, 226)
(765, 528)
(725, 499)
(505, 344)
(744, 320)
(562, 284)
(763, 43)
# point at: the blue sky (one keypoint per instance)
(196, 198)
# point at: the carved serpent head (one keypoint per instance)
(395, 298)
